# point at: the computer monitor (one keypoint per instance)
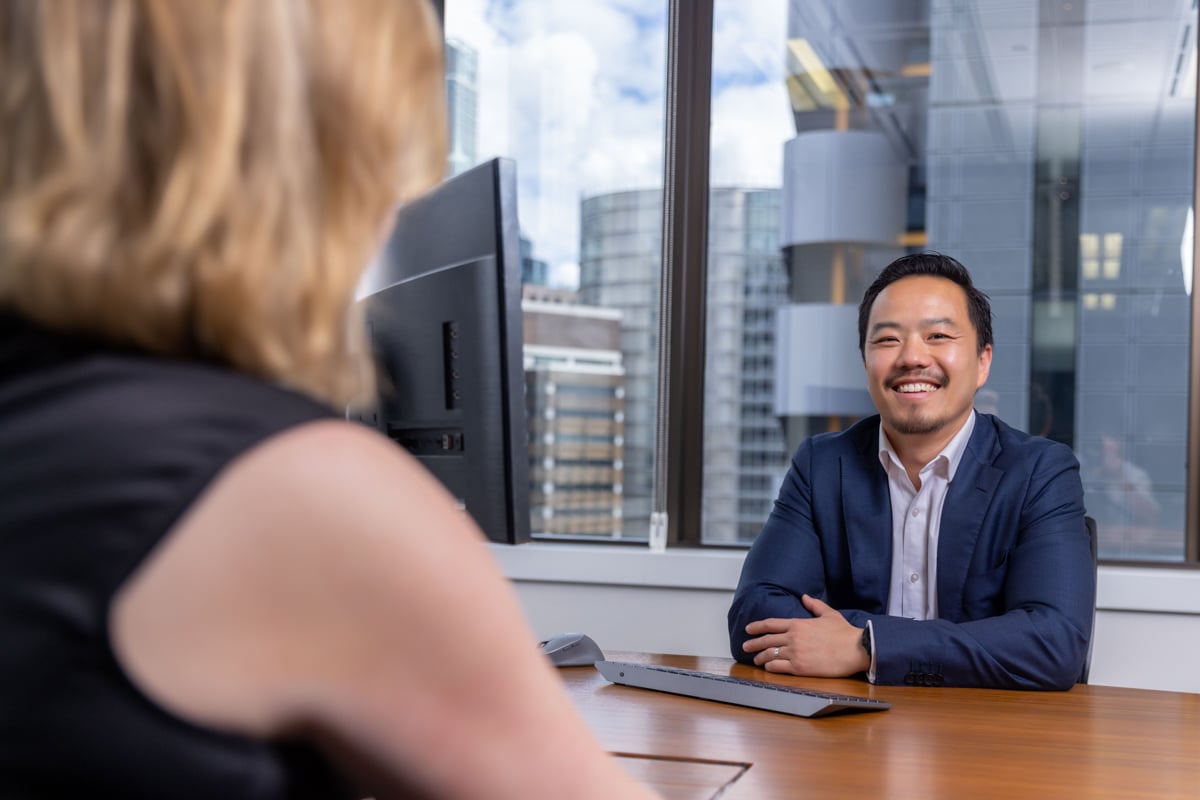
(443, 311)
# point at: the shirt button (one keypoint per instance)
(916, 512)
(914, 578)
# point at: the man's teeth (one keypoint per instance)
(908, 388)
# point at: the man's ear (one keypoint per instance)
(985, 365)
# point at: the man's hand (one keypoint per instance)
(825, 646)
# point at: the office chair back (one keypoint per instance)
(1093, 539)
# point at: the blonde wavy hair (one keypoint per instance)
(208, 178)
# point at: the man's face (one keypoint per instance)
(922, 359)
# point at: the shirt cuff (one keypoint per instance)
(871, 633)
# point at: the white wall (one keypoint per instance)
(627, 598)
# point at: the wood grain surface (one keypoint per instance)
(1092, 741)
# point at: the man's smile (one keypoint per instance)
(917, 384)
(912, 388)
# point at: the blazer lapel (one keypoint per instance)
(867, 509)
(967, 501)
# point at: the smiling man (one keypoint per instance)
(929, 544)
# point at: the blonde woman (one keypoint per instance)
(211, 585)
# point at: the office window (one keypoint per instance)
(573, 92)
(1048, 146)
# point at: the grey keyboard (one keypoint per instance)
(739, 691)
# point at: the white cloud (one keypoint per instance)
(751, 118)
(749, 40)
(750, 126)
(564, 275)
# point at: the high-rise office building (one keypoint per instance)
(845, 209)
(462, 105)
(620, 255)
(743, 440)
(534, 271)
(620, 265)
(575, 398)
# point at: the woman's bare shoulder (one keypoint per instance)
(312, 534)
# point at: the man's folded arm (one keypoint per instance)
(1022, 649)
(783, 563)
(1039, 638)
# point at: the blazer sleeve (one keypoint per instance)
(784, 561)
(1027, 622)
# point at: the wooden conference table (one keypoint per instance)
(1093, 741)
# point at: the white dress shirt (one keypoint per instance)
(916, 524)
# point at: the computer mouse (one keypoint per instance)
(571, 650)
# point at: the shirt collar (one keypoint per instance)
(951, 454)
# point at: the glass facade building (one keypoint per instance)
(743, 443)
(462, 101)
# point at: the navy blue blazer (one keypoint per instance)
(1015, 577)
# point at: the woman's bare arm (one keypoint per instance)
(326, 584)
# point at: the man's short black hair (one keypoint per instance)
(939, 266)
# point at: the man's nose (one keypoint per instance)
(913, 352)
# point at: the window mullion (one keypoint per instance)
(679, 461)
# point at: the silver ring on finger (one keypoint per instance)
(777, 652)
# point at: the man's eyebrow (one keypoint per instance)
(931, 322)
(935, 321)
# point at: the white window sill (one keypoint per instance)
(620, 565)
(1163, 590)
(1138, 589)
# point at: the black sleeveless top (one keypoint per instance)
(100, 453)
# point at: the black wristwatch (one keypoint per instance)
(866, 640)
